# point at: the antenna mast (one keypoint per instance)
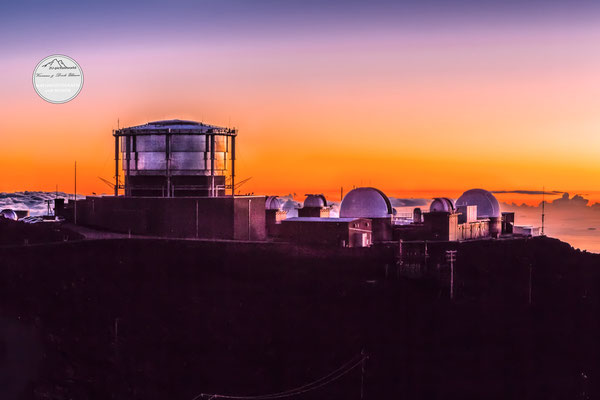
(75, 197)
(543, 207)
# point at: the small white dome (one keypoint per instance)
(9, 214)
(365, 202)
(487, 205)
(442, 204)
(315, 200)
(273, 203)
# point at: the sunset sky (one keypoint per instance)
(416, 98)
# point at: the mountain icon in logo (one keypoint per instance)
(57, 79)
(59, 63)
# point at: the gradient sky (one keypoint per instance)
(416, 98)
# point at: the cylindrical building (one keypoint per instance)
(175, 158)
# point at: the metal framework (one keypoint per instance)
(186, 129)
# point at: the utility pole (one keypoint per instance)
(425, 257)
(362, 373)
(530, 283)
(543, 208)
(249, 216)
(75, 197)
(451, 257)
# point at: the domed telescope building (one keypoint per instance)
(175, 158)
(486, 205)
(486, 202)
(372, 203)
(366, 202)
(315, 205)
(441, 204)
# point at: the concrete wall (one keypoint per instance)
(382, 229)
(273, 222)
(240, 218)
(249, 218)
(333, 233)
(309, 212)
(442, 225)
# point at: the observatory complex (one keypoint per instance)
(178, 180)
(476, 215)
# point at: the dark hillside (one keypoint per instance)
(153, 319)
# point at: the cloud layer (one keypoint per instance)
(569, 218)
(36, 202)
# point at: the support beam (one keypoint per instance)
(116, 163)
(128, 168)
(212, 165)
(75, 196)
(232, 165)
(168, 161)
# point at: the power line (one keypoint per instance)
(323, 381)
(331, 377)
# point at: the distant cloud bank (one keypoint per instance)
(532, 192)
(569, 218)
(36, 202)
(563, 202)
(412, 202)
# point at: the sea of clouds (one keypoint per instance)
(34, 201)
(570, 218)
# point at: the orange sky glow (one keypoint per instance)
(415, 117)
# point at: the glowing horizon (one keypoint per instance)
(409, 99)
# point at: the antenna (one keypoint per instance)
(543, 207)
(451, 257)
(75, 197)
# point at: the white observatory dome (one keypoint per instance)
(365, 202)
(273, 203)
(442, 204)
(9, 214)
(487, 205)
(315, 200)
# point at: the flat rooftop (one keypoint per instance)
(318, 219)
